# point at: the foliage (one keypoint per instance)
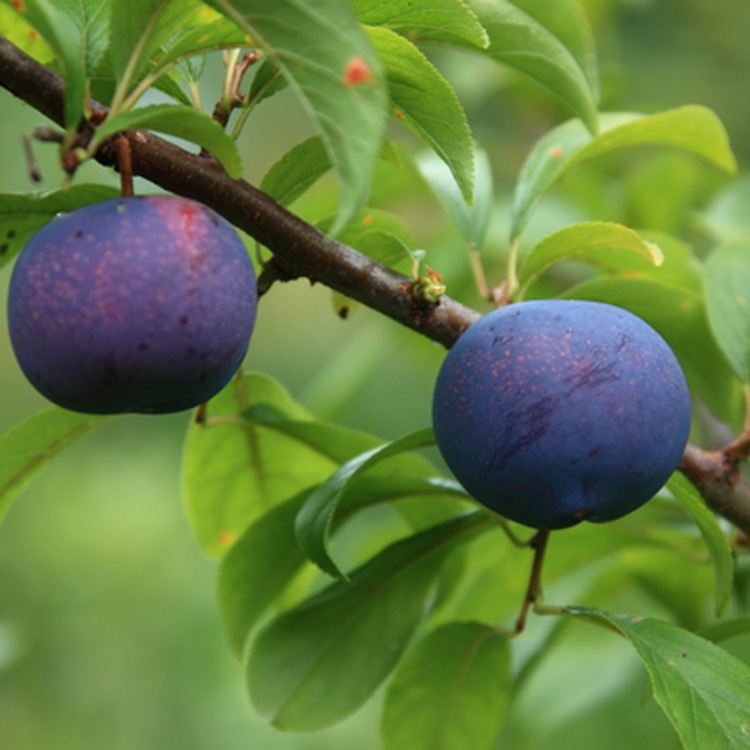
(353, 569)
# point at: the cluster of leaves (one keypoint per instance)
(277, 495)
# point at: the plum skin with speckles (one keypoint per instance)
(135, 304)
(553, 412)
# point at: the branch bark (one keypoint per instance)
(300, 250)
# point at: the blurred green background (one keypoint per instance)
(109, 633)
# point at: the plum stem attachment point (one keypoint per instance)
(124, 164)
(534, 589)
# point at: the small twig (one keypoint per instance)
(35, 174)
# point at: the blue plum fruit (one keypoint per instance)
(137, 304)
(554, 412)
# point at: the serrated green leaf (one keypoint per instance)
(319, 662)
(715, 539)
(59, 30)
(434, 20)
(425, 101)
(28, 446)
(692, 128)
(451, 692)
(208, 31)
(472, 220)
(318, 47)
(22, 215)
(703, 690)
(91, 18)
(181, 121)
(314, 520)
(727, 290)
(581, 242)
(679, 315)
(566, 20)
(541, 52)
(267, 81)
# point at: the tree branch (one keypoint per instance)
(302, 250)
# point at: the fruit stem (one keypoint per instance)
(124, 164)
(534, 590)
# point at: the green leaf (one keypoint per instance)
(718, 545)
(181, 121)
(319, 662)
(679, 315)
(694, 129)
(427, 103)
(451, 692)
(150, 35)
(237, 467)
(257, 568)
(59, 30)
(434, 20)
(726, 286)
(380, 235)
(471, 218)
(722, 631)
(296, 171)
(22, 215)
(548, 44)
(314, 520)
(260, 565)
(727, 218)
(28, 446)
(17, 30)
(566, 20)
(581, 242)
(91, 18)
(703, 690)
(328, 60)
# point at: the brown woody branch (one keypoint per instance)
(300, 250)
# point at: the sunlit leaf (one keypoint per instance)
(436, 20)
(581, 242)
(692, 128)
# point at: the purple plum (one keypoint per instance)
(136, 304)
(554, 412)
